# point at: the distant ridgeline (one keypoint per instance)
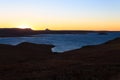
(17, 32)
(14, 32)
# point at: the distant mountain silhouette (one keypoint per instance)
(17, 32)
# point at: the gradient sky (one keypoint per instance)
(61, 14)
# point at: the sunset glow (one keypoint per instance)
(61, 14)
(23, 26)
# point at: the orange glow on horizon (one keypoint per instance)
(69, 27)
(61, 14)
(23, 26)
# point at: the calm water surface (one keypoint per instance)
(63, 42)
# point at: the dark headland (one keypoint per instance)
(28, 61)
(16, 32)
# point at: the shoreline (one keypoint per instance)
(37, 61)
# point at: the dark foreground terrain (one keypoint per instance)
(28, 61)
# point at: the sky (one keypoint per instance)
(61, 14)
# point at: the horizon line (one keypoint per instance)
(64, 30)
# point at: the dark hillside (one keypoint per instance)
(28, 61)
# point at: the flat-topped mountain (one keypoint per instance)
(15, 32)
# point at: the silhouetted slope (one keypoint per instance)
(28, 61)
(108, 52)
(24, 52)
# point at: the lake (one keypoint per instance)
(63, 42)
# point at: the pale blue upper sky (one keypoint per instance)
(59, 11)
